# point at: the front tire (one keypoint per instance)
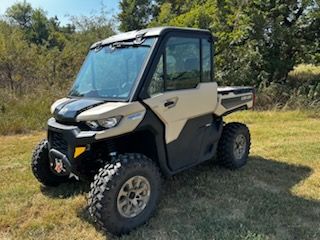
(40, 165)
(234, 145)
(125, 193)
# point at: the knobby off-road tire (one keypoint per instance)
(40, 165)
(234, 145)
(111, 189)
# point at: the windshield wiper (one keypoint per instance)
(135, 43)
(129, 44)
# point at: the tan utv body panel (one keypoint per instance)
(189, 103)
(132, 114)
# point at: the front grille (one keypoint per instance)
(57, 142)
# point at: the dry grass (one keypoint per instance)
(276, 196)
(305, 72)
(22, 114)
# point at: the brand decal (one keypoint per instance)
(248, 97)
(135, 116)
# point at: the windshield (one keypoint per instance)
(111, 71)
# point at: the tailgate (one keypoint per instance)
(231, 99)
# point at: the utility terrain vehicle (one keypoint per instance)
(144, 105)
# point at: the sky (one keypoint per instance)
(62, 8)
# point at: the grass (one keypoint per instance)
(276, 196)
(305, 72)
(25, 113)
(301, 90)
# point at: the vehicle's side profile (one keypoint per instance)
(144, 105)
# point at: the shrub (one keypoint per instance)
(301, 90)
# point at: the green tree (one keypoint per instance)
(279, 33)
(225, 19)
(135, 14)
(20, 14)
(258, 41)
(92, 28)
(36, 52)
(33, 21)
(17, 59)
(39, 30)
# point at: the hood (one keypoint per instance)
(68, 109)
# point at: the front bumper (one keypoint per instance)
(64, 139)
(60, 163)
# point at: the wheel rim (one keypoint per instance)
(240, 145)
(133, 196)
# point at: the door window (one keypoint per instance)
(157, 82)
(206, 61)
(182, 63)
(179, 66)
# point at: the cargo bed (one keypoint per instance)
(231, 99)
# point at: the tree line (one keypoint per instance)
(259, 42)
(36, 51)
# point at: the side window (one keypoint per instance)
(206, 61)
(157, 82)
(182, 63)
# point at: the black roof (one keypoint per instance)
(148, 32)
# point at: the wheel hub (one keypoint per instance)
(240, 145)
(133, 196)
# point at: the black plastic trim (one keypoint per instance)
(197, 142)
(235, 110)
(176, 156)
(71, 134)
(152, 123)
(235, 101)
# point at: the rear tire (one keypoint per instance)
(234, 145)
(125, 193)
(40, 165)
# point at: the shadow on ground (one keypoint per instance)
(66, 190)
(209, 202)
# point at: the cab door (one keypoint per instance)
(183, 96)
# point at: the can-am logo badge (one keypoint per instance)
(248, 97)
(135, 116)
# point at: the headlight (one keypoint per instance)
(105, 123)
(92, 124)
(109, 122)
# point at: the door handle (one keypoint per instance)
(170, 103)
